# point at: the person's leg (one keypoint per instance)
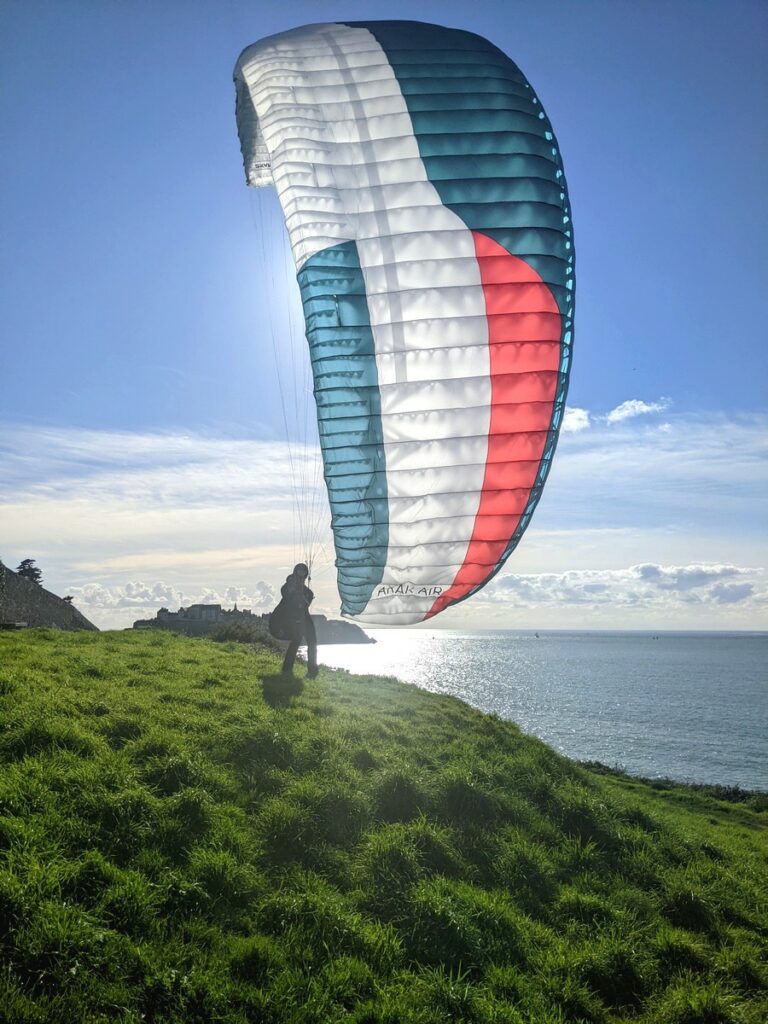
(311, 635)
(290, 654)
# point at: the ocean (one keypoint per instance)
(688, 706)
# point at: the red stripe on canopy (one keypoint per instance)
(522, 317)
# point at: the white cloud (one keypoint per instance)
(132, 595)
(652, 586)
(108, 514)
(575, 420)
(687, 577)
(662, 589)
(119, 606)
(261, 597)
(634, 407)
(732, 593)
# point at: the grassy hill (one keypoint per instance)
(185, 837)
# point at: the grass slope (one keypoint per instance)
(184, 837)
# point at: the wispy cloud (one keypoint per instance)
(108, 514)
(707, 473)
(161, 468)
(635, 407)
(99, 510)
(663, 586)
(577, 419)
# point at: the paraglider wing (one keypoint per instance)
(428, 215)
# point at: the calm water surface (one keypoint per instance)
(691, 706)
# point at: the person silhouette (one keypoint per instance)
(297, 598)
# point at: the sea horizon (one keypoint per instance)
(425, 628)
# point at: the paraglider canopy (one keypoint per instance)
(428, 216)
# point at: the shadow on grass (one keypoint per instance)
(278, 690)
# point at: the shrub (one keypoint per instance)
(687, 907)
(616, 971)
(347, 980)
(458, 925)
(690, 1001)
(12, 903)
(130, 904)
(256, 958)
(677, 950)
(89, 877)
(584, 907)
(121, 731)
(388, 865)
(227, 884)
(397, 797)
(462, 800)
(29, 739)
(193, 812)
(126, 820)
(317, 921)
(252, 631)
(524, 869)
(170, 773)
(284, 829)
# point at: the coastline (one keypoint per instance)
(686, 706)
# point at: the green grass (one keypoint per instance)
(186, 837)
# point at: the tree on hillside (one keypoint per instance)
(30, 571)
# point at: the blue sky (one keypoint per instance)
(140, 412)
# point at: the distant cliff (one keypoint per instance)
(339, 631)
(22, 601)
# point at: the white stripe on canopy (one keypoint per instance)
(346, 165)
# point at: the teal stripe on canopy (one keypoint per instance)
(484, 136)
(349, 418)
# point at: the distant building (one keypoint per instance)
(197, 620)
(202, 619)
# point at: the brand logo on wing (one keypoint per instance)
(407, 590)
